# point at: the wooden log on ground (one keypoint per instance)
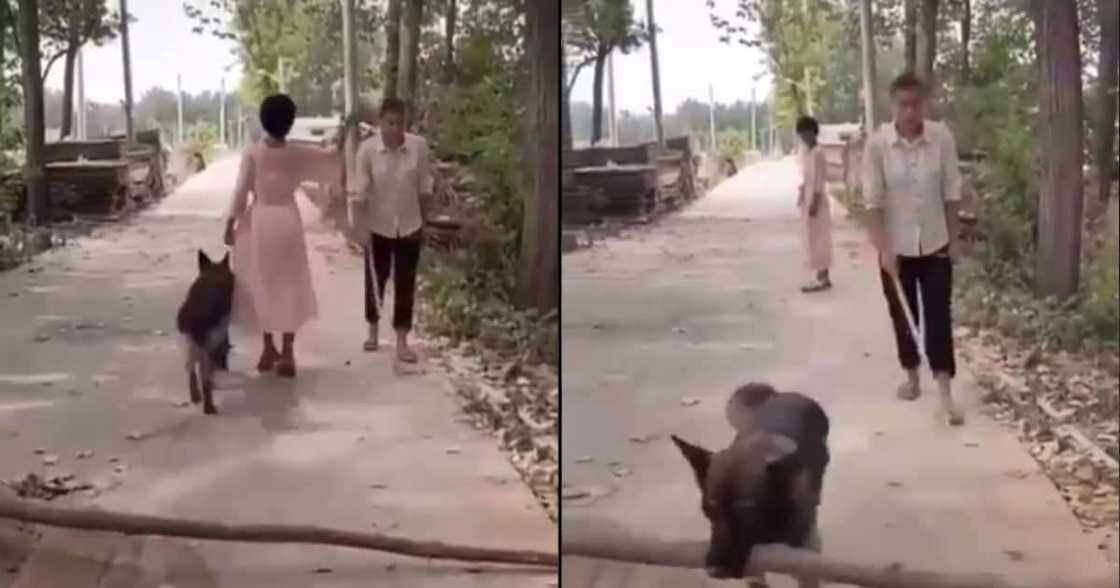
(134, 524)
(603, 540)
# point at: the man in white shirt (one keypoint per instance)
(391, 189)
(912, 183)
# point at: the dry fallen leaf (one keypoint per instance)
(690, 401)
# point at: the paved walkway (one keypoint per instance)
(91, 356)
(707, 299)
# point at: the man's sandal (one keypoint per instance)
(371, 345)
(818, 286)
(407, 355)
(908, 391)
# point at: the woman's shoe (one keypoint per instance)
(286, 367)
(268, 360)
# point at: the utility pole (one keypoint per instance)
(222, 113)
(81, 118)
(656, 75)
(868, 47)
(179, 94)
(130, 132)
(350, 90)
(610, 91)
(281, 78)
(711, 119)
(754, 117)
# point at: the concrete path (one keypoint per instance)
(708, 299)
(91, 356)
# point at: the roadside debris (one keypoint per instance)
(1065, 410)
(35, 487)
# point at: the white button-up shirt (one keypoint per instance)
(389, 183)
(911, 181)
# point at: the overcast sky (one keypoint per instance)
(691, 57)
(162, 46)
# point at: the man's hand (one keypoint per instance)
(954, 250)
(815, 205)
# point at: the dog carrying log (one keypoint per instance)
(603, 540)
(135, 524)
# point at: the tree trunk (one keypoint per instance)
(410, 50)
(909, 33)
(926, 42)
(126, 58)
(67, 124)
(392, 48)
(597, 96)
(540, 268)
(34, 171)
(1109, 13)
(660, 130)
(566, 112)
(867, 42)
(449, 25)
(966, 42)
(1060, 146)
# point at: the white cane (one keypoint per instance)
(919, 339)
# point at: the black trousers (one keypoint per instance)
(402, 255)
(933, 276)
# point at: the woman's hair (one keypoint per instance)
(278, 112)
(808, 124)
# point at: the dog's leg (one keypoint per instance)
(207, 366)
(814, 544)
(193, 352)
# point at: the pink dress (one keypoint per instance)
(273, 292)
(817, 230)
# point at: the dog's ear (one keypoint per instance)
(204, 262)
(697, 457)
(225, 260)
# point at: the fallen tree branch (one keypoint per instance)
(604, 540)
(134, 524)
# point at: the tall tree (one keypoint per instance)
(34, 170)
(450, 20)
(926, 44)
(1108, 11)
(391, 72)
(540, 266)
(66, 26)
(599, 28)
(910, 33)
(966, 40)
(1061, 147)
(410, 51)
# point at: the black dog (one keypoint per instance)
(203, 321)
(766, 486)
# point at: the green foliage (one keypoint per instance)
(478, 125)
(996, 116)
(732, 144)
(305, 34)
(202, 138)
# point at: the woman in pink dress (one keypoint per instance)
(273, 293)
(812, 201)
